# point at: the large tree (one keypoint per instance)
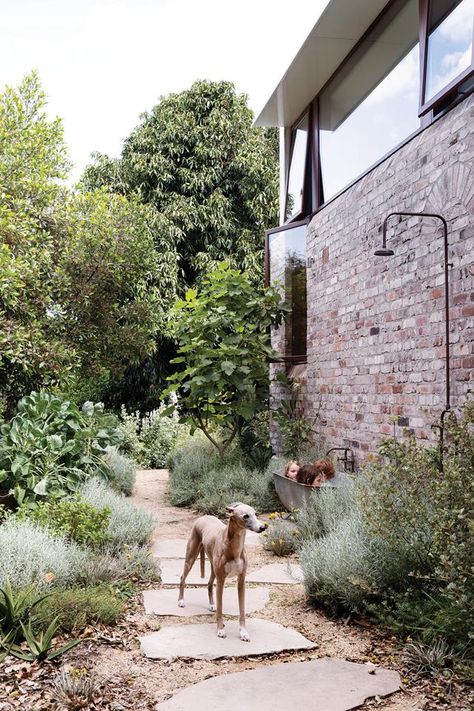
(211, 175)
(78, 270)
(212, 179)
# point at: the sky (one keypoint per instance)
(103, 62)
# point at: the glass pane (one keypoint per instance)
(371, 105)
(287, 254)
(294, 197)
(449, 43)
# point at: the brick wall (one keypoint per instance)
(376, 325)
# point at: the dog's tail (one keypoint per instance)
(203, 562)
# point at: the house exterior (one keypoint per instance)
(376, 116)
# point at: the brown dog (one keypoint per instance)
(224, 546)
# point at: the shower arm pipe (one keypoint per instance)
(435, 216)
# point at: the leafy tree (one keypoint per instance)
(211, 175)
(223, 354)
(82, 285)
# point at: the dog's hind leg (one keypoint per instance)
(210, 590)
(244, 635)
(192, 552)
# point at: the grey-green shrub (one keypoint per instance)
(128, 525)
(325, 510)
(130, 561)
(200, 478)
(30, 553)
(281, 536)
(121, 471)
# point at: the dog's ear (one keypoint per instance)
(230, 508)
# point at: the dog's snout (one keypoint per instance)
(262, 527)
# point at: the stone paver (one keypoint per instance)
(171, 571)
(170, 548)
(322, 685)
(200, 641)
(165, 601)
(277, 573)
(176, 547)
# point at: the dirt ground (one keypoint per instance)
(128, 680)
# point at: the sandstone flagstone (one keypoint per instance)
(176, 547)
(277, 573)
(322, 684)
(200, 641)
(165, 601)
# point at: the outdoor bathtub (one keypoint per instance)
(291, 494)
(294, 495)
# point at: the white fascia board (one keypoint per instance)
(338, 29)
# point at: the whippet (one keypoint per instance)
(224, 546)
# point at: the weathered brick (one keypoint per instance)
(376, 326)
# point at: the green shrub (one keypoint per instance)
(324, 511)
(76, 608)
(31, 554)
(128, 525)
(121, 476)
(51, 446)
(159, 434)
(131, 562)
(75, 520)
(130, 442)
(281, 536)
(201, 478)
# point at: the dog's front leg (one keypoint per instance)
(219, 594)
(244, 635)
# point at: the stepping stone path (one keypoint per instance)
(331, 684)
(201, 642)
(163, 602)
(324, 684)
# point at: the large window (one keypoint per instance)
(413, 64)
(286, 268)
(297, 172)
(449, 45)
(371, 104)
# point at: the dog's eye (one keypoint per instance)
(246, 516)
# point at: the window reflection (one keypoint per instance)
(449, 43)
(371, 105)
(287, 254)
(296, 178)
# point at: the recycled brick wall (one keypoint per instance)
(376, 327)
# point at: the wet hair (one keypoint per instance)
(307, 474)
(290, 464)
(326, 468)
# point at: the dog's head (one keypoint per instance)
(245, 517)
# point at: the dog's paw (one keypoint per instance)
(212, 608)
(221, 633)
(244, 635)
(180, 603)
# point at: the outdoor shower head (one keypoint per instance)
(384, 252)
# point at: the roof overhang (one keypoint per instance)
(339, 27)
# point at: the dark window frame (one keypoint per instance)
(423, 31)
(283, 358)
(313, 195)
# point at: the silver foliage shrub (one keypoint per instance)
(131, 561)
(121, 471)
(128, 525)
(325, 510)
(30, 554)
